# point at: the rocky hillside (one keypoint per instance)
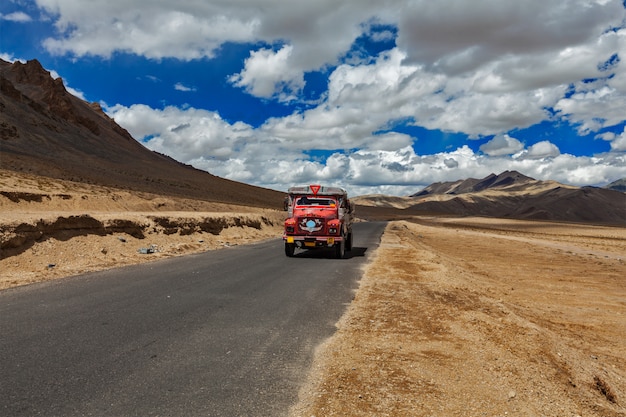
(45, 130)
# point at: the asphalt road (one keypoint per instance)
(223, 333)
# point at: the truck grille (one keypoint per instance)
(312, 225)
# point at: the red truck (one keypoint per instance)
(318, 217)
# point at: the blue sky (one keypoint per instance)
(378, 97)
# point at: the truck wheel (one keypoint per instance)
(349, 242)
(290, 248)
(340, 249)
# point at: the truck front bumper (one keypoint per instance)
(313, 241)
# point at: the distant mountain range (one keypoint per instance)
(511, 181)
(508, 180)
(44, 130)
(508, 195)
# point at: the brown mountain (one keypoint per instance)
(45, 130)
(507, 195)
(510, 180)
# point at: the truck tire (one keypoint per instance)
(290, 249)
(340, 249)
(349, 242)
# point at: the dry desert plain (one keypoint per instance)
(453, 316)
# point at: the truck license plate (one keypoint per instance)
(309, 244)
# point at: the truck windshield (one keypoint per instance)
(309, 201)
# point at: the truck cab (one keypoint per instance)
(318, 217)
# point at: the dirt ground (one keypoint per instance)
(478, 317)
(453, 316)
(52, 228)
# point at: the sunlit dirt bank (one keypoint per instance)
(478, 317)
(52, 228)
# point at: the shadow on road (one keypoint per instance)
(328, 253)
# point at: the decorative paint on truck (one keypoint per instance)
(318, 217)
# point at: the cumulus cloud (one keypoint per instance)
(502, 145)
(186, 135)
(242, 153)
(267, 72)
(154, 29)
(541, 150)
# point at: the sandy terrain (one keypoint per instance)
(478, 317)
(453, 317)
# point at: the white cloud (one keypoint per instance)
(155, 29)
(502, 145)
(362, 100)
(183, 88)
(239, 152)
(267, 72)
(459, 36)
(599, 103)
(594, 109)
(618, 142)
(19, 17)
(541, 150)
(186, 135)
(10, 58)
